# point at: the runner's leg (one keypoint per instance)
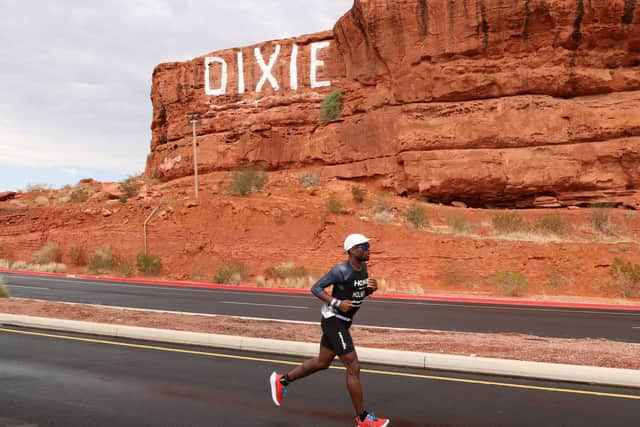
(313, 365)
(352, 364)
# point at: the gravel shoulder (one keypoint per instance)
(590, 352)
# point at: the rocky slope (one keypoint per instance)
(566, 253)
(523, 103)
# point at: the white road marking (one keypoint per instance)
(478, 306)
(189, 313)
(28, 287)
(262, 305)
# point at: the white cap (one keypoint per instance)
(353, 240)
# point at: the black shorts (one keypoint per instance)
(336, 336)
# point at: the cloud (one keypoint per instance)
(75, 76)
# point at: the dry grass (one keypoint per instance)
(49, 253)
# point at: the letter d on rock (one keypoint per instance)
(208, 61)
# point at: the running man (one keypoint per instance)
(351, 285)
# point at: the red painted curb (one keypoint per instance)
(527, 303)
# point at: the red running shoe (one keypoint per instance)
(278, 391)
(372, 421)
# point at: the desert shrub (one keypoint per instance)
(309, 180)
(149, 264)
(626, 276)
(458, 223)
(556, 279)
(358, 194)
(510, 282)
(130, 186)
(383, 216)
(4, 292)
(416, 217)
(507, 222)
(334, 205)
(78, 256)
(123, 199)
(600, 220)
(331, 106)
(49, 253)
(4, 264)
(244, 181)
(285, 270)
(150, 181)
(79, 194)
(551, 224)
(41, 201)
(197, 272)
(456, 274)
(232, 273)
(19, 265)
(52, 267)
(124, 267)
(103, 259)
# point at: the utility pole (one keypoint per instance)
(195, 118)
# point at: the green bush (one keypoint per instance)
(458, 223)
(551, 224)
(310, 180)
(285, 270)
(79, 194)
(358, 194)
(507, 222)
(124, 267)
(130, 186)
(232, 273)
(49, 253)
(416, 217)
(103, 259)
(244, 181)
(78, 256)
(511, 283)
(334, 205)
(331, 107)
(600, 220)
(149, 264)
(626, 275)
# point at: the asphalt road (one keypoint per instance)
(53, 379)
(466, 317)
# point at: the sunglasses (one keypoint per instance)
(364, 246)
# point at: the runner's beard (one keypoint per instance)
(363, 258)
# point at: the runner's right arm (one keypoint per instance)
(332, 277)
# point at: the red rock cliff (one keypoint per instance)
(522, 102)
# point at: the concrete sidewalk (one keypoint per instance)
(480, 365)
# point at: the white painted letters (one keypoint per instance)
(316, 63)
(293, 68)
(270, 71)
(266, 69)
(207, 76)
(241, 87)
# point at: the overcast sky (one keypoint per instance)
(75, 76)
